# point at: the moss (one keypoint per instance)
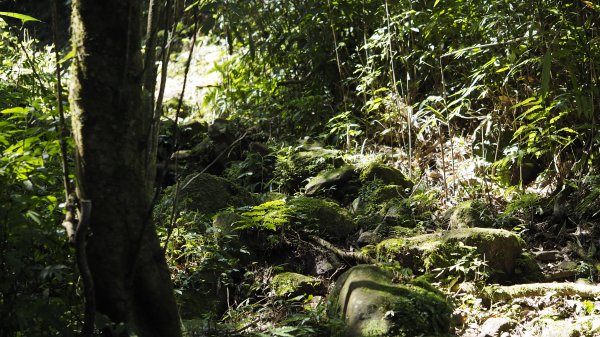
(321, 217)
(372, 305)
(203, 193)
(386, 174)
(472, 213)
(295, 166)
(499, 248)
(292, 284)
(387, 193)
(527, 269)
(340, 184)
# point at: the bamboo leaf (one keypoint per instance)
(22, 17)
(68, 56)
(529, 101)
(546, 73)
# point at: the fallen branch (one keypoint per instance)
(356, 257)
(506, 293)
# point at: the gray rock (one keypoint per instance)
(495, 326)
(547, 256)
(560, 328)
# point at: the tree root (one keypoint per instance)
(506, 293)
(355, 257)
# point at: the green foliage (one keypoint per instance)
(255, 171)
(38, 282)
(525, 206)
(295, 165)
(404, 72)
(462, 263)
(270, 215)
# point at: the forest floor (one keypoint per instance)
(564, 251)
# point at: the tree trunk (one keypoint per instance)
(131, 278)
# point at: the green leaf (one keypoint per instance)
(546, 73)
(35, 216)
(21, 17)
(15, 110)
(530, 101)
(67, 57)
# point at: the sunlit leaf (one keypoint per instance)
(15, 110)
(22, 17)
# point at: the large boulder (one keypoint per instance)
(321, 217)
(386, 174)
(202, 295)
(370, 304)
(295, 166)
(203, 193)
(471, 213)
(269, 231)
(499, 248)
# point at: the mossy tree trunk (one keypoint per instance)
(131, 278)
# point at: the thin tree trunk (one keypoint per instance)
(131, 277)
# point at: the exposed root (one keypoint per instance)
(355, 257)
(506, 293)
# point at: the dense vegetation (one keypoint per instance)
(491, 101)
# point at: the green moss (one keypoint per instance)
(293, 284)
(499, 248)
(388, 192)
(386, 174)
(321, 217)
(203, 193)
(527, 269)
(372, 305)
(472, 213)
(295, 165)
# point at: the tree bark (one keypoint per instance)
(131, 277)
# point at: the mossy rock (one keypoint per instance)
(204, 296)
(321, 217)
(386, 174)
(203, 193)
(499, 248)
(370, 304)
(398, 214)
(289, 284)
(527, 269)
(472, 213)
(243, 244)
(294, 168)
(388, 192)
(340, 184)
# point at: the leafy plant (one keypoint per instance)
(270, 215)
(38, 282)
(463, 263)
